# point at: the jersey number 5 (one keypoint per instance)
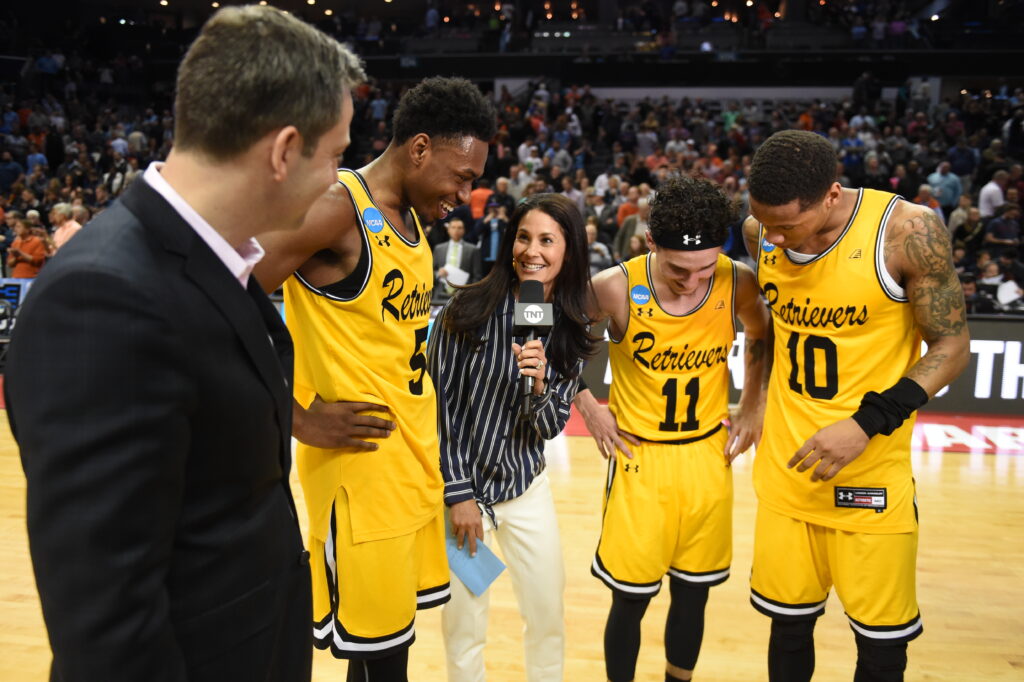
(814, 345)
(692, 391)
(418, 361)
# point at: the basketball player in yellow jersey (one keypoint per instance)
(668, 503)
(358, 279)
(854, 280)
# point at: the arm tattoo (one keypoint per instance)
(929, 364)
(755, 350)
(933, 287)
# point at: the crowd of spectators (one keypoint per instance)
(70, 146)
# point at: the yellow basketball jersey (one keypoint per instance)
(669, 372)
(842, 328)
(371, 348)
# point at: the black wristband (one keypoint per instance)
(884, 412)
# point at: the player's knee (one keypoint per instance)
(880, 660)
(689, 595)
(792, 635)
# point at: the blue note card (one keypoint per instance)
(476, 573)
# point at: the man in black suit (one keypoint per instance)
(455, 252)
(149, 381)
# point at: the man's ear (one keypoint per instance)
(285, 147)
(419, 149)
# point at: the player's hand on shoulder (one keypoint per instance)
(341, 424)
(830, 449)
(467, 524)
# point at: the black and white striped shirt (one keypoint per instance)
(487, 451)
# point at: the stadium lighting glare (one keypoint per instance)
(215, 5)
(935, 17)
(447, 20)
(963, 92)
(550, 16)
(263, 2)
(714, 3)
(778, 15)
(497, 7)
(328, 12)
(163, 3)
(750, 3)
(821, 2)
(310, 2)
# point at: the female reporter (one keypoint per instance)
(492, 449)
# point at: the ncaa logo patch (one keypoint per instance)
(768, 248)
(640, 294)
(373, 219)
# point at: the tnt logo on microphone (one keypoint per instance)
(533, 314)
(373, 219)
(640, 294)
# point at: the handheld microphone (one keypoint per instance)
(533, 318)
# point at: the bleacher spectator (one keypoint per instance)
(1004, 228)
(946, 186)
(991, 196)
(28, 252)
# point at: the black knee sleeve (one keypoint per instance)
(684, 628)
(791, 650)
(391, 668)
(622, 636)
(879, 660)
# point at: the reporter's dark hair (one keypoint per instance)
(445, 108)
(792, 164)
(570, 340)
(252, 70)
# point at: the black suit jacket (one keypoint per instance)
(469, 260)
(150, 396)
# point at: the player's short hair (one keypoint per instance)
(252, 70)
(444, 108)
(692, 206)
(792, 165)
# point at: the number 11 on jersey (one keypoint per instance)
(692, 391)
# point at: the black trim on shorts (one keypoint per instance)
(910, 630)
(443, 592)
(682, 441)
(814, 609)
(696, 578)
(641, 591)
(328, 642)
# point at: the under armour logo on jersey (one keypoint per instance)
(845, 496)
(635, 469)
(649, 312)
(688, 239)
(856, 254)
(383, 241)
(769, 260)
(720, 305)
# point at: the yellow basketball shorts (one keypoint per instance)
(796, 563)
(667, 510)
(365, 595)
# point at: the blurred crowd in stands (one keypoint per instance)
(69, 146)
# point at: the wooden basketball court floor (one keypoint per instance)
(970, 581)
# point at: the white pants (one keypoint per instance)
(527, 533)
